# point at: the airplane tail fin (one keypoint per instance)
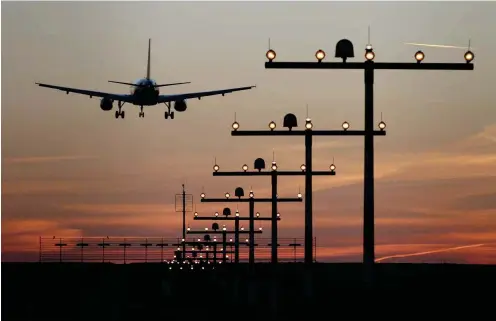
(149, 53)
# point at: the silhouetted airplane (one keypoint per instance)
(145, 92)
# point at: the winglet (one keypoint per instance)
(148, 65)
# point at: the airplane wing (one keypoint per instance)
(120, 97)
(169, 98)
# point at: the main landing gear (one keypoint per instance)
(142, 113)
(168, 113)
(120, 112)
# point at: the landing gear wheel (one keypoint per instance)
(166, 115)
(172, 115)
(117, 114)
(142, 114)
(122, 114)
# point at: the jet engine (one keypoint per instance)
(180, 105)
(106, 104)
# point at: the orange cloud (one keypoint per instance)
(43, 159)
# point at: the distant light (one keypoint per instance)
(235, 125)
(469, 56)
(299, 195)
(320, 55)
(303, 167)
(274, 166)
(216, 167)
(419, 56)
(382, 125)
(278, 214)
(369, 53)
(345, 125)
(227, 195)
(251, 194)
(196, 214)
(216, 214)
(332, 167)
(245, 167)
(260, 228)
(308, 123)
(271, 55)
(258, 214)
(272, 125)
(237, 213)
(202, 195)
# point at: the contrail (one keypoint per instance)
(435, 46)
(428, 252)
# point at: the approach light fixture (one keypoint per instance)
(345, 125)
(258, 214)
(272, 125)
(216, 214)
(196, 214)
(278, 214)
(245, 167)
(189, 228)
(271, 54)
(216, 168)
(274, 166)
(303, 167)
(320, 55)
(419, 56)
(224, 228)
(235, 125)
(228, 195)
(382, 125)
(237, 213)
(202, 195)
(332, 167)
(299, 195)
(260, 228)
(369, 53)
(308, 123)
(251, 194)
(469, 56)
(206, 228)
(242, 228)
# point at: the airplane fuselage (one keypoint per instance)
(145, 92)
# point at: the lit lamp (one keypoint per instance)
(320, 55)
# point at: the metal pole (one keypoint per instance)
(60, 251)
(252, 229)
(224, 247)
(125, 245)
(162, 251)
(236, 240)
(82, 247)
(368, 190)
(308, 197)
(274, 217)
(103, 250)
(184, 222)
(40, 249)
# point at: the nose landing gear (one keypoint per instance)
(168, 113)
(142, 113)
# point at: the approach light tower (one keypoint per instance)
(308, 133)
(239, 193)
(226, 216)
(259, 165)
(344, 50)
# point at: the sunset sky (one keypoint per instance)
(70, 169)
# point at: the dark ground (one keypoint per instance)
(95, 291)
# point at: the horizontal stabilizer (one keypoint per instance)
(139, 85)
(173, 84)
(122, 83)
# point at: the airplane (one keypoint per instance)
(145, 92)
